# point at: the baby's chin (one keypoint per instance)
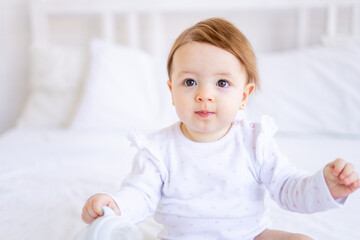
(207, 133)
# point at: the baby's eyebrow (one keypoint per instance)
(186, 72)
(223, 74)
(193, 72)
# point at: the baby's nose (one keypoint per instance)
(204, 96)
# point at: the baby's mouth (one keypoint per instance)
(204, 113)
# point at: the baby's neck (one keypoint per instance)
(203, 137)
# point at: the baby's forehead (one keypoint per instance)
(196, 55)
(199, 51)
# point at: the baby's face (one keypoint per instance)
(208, 86)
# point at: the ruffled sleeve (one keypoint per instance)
(138, 139)
(259, 136)
(150, 144)
(266, 131)
(141, 189)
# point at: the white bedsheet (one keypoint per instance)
(311, 153)
(46, 176)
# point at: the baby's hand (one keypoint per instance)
(93, 207)
(341, 178)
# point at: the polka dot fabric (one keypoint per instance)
(216, 190)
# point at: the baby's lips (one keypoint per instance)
(204, 113)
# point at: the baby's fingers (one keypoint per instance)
(338, 166)
(352, 179)
(88, 215)
(347, 171)
(93, 207)
(356, 184)
(96, 207)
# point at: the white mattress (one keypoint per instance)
(46, 177)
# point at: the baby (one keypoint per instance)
(206, 176)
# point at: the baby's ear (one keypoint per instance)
(170, 88)
(169, 85)
(248, 89)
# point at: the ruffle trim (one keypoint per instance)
(144, 142)
(266, 129)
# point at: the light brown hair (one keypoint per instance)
(223, 34)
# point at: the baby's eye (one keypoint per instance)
(189, 82)
(222, 83)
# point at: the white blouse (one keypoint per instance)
(216, 190)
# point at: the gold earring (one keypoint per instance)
(243, 106)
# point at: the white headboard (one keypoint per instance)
(153, 11)
(153, 25)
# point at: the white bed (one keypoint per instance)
(47, 175)
(71, 139)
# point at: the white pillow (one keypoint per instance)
(314, 90)
(120, 92)
(56, 74)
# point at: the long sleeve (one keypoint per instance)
(292, 189)
(141, 189)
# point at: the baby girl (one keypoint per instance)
(206, 176)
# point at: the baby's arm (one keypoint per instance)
(93, 207)
(296, 190)
(138, 196)
(341, 178)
